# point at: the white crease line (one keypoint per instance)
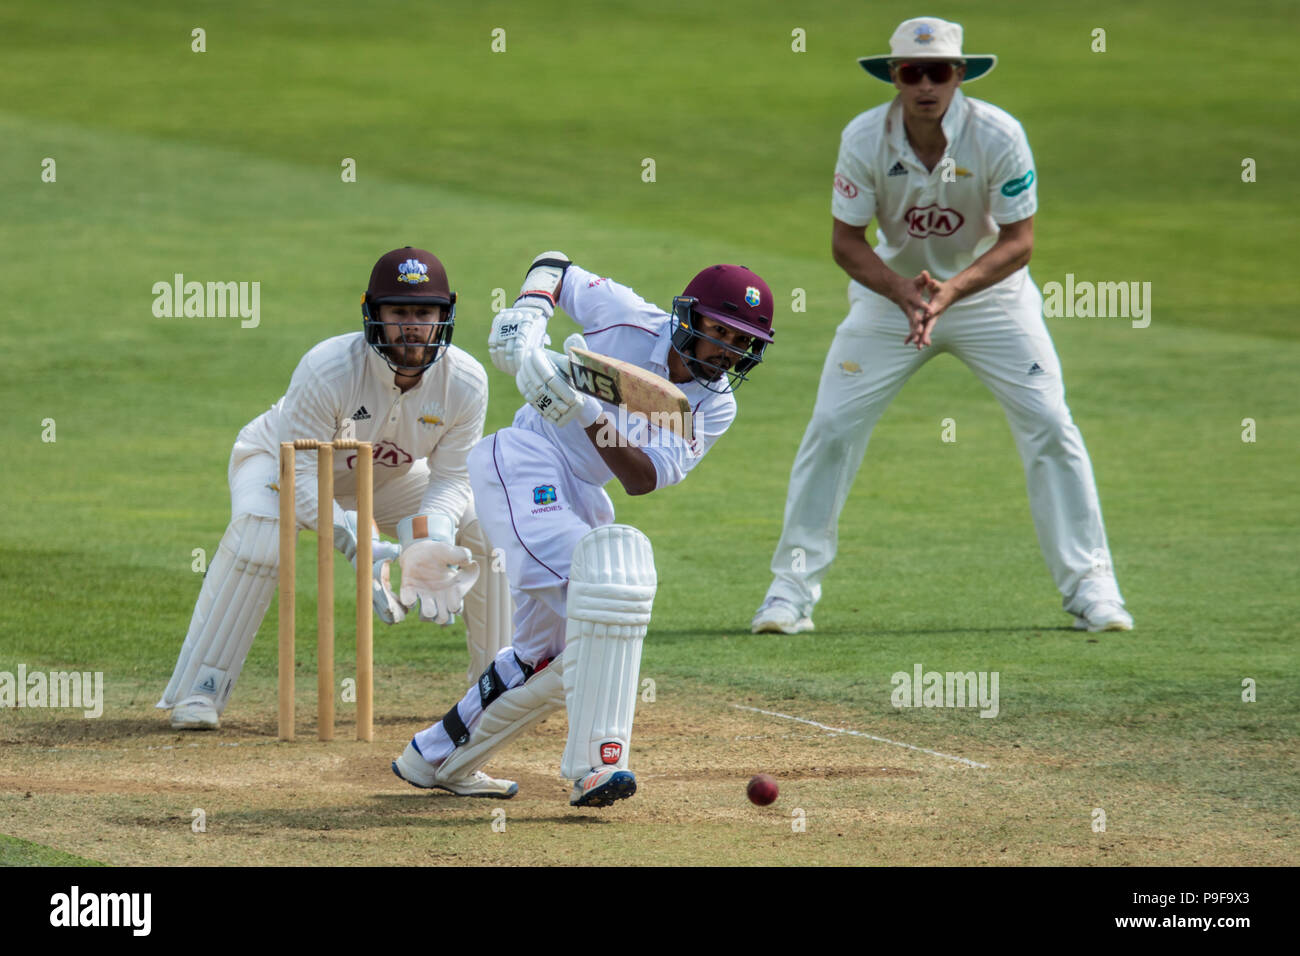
(858, 733)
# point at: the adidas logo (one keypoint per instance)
(1035, 369)
(360, 415)
(898, 169)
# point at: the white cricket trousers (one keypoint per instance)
(237, 589)
(536, 511)
(1000, 335)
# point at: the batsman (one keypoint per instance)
(584, 586)
(400, 384)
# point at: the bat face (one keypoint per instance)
(632, 387)
(597, 383)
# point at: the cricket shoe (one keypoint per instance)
(195, 713)
(418, 772)
(779, 616)
(600, 788)
(1104, 616)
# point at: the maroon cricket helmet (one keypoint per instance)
(408, 276)
(739, 299)
(735, 296)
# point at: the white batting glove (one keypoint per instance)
(547, 390)
(518, 330)
(574, 341)
(592, 408)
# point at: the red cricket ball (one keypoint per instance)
(762, 790)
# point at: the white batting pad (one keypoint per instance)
(489, 611)
(509, 715)
(236, 592)
(611, 591)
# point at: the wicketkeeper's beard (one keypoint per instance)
(409, 357)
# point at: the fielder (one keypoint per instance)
(950, 181)
(402, 385)
(583, 586)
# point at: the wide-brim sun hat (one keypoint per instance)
(927, 38)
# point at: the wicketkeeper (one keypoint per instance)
(584, 586)
(400, 384)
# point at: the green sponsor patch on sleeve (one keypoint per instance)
(1014, 187)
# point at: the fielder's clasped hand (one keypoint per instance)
(922, 299)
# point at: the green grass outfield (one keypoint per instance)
(225, 165)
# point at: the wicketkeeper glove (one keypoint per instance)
(387, 606)
(435, 572)
(345, 533)
(382, 552)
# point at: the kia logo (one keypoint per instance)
(932, 220)
(384, 453)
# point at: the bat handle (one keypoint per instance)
(561, 362)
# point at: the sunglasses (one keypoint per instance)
(939, 71)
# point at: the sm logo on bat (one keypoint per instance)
(595, 383)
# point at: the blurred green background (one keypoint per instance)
(225, 165)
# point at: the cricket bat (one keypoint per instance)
(621, 383)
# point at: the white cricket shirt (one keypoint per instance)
(439, 419)
(619, 323)
(926, 222)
